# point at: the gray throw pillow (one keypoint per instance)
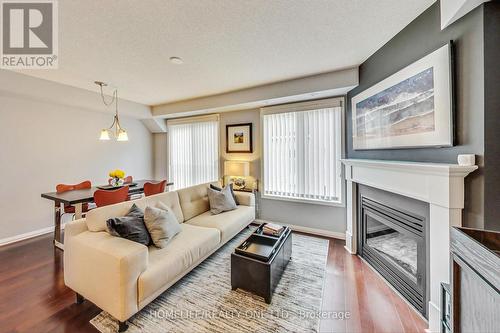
(217, 188)
(221, 201)
(162, 224)
(130, 226)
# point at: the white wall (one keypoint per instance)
(43, 143)
(160, 146)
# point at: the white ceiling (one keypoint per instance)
(225, 44)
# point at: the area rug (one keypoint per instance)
(203, 301)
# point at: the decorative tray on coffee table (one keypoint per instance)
(261, 246)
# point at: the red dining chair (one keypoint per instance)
(154, 188)
(69, 209)
(105, 198)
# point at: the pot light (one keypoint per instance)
(176, 60)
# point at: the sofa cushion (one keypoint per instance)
(194, 200)
(96, 218)
(185, 249)
(229, 223)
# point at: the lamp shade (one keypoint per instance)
(237, 168)
(104, 135)
(122, 135)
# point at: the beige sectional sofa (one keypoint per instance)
(121, 276)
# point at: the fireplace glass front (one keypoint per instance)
(393, 241)
(394, 246)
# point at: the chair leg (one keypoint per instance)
(79, 298)
(122, 326)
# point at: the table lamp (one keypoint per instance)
(237, 170)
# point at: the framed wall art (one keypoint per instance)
(239, 138)
(410, 109)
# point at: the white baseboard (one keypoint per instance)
(307, 230)
(348, 250)
(28, 235)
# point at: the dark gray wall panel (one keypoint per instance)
(419, 38)
(492, 115)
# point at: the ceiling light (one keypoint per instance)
(176, 60)
(120, 133)
(104, 135)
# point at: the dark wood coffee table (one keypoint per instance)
(258, 263)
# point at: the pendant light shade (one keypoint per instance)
(104, 135)
(122, 135)
(119, 132)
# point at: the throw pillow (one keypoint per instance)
(221, 201)
(130, 226)
(134, 211)
(162, 225)
(213, 187)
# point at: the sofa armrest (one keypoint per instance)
(245, 198)
(74, 228)
(105, 269)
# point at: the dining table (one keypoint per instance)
(77, 198)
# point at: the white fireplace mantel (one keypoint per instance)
(441, 185)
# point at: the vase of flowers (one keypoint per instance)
(117, 177)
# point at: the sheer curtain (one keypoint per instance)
(193, 151)
(301, 154)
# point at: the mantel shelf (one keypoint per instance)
(414, 167)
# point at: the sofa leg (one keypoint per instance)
(79, 298)
(122, 326)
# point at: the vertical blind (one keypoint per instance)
(301, 154)
(193, 152)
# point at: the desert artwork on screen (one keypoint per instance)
(412, 108)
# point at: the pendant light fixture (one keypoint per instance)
(119, 132)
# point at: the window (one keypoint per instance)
(302, 148)
(193, 151)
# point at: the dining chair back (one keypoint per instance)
(61, 188)
(154, 188)
(105, 198)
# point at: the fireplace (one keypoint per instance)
(393, 240)
(437, 186)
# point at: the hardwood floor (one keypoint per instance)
(33, 297)
(352, 286)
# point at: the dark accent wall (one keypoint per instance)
(419, 38)
(492, 115)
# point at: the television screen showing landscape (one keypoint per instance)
(405, 108)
